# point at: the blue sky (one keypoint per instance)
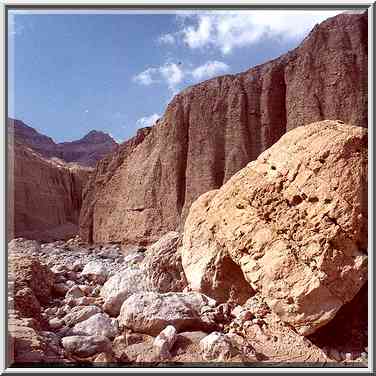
(71, 73)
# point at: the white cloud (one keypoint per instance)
(209, 69)
(166, 39)
(200, 34)
(148, 121)
(146, 77)
(226, 30)
(173, 75)
(170, 73)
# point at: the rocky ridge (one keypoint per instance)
(86, 152)
(211, 130)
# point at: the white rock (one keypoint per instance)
(237, 310)
(95, 271)
(55, 323)
(80, 313)
(119, 287)
(99, 324)
(74, 292)
(216, 347)
(151, 312)
(135, 257)
(85, 346)
(164, 342)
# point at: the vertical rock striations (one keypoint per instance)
(212, 130)
(44, 197)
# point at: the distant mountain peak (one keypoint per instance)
(97, 137)
(86, 151)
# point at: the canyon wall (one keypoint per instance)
(44, 196)
(211, 130)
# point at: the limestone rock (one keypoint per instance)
(151, 312)
(162, 266)
(164, 342)
(80, 313)
(138, 352)
(74, 292)
(213, 129)
(295, 221)
(28, 345)
(85, 346)
(20, 245)
(32, 284)
(99, 324)
(210, 269)
(120, 286)
(95, 271)
(216, 347)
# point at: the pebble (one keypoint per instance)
(56, 323)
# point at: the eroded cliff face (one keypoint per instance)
(212, 130)
(44, 197)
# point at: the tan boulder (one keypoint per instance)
(151, 312)
(31, 284)
(294, 220)
(208, 267)
(162, 265)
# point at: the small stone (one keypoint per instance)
(51, 311)
(237, 310)
(216, 347)
(56, 323)
(60, 288)
(348, 356)
(80, 313)
(164, 342)
(77, 266)
(104, 357)
(74, 292)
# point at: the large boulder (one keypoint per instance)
(95, 271)
(151, 312)
(21, 245)
(80, 313)
(85, 346)
(294, 220)
(120, 286)
(162, 265)
(207, 265)
(31, 285)
(26, 344)
(161, 271)
(99, 324)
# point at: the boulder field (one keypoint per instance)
(264, 265)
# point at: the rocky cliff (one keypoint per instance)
(212, 130)
(44, 196)
(87, 151)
